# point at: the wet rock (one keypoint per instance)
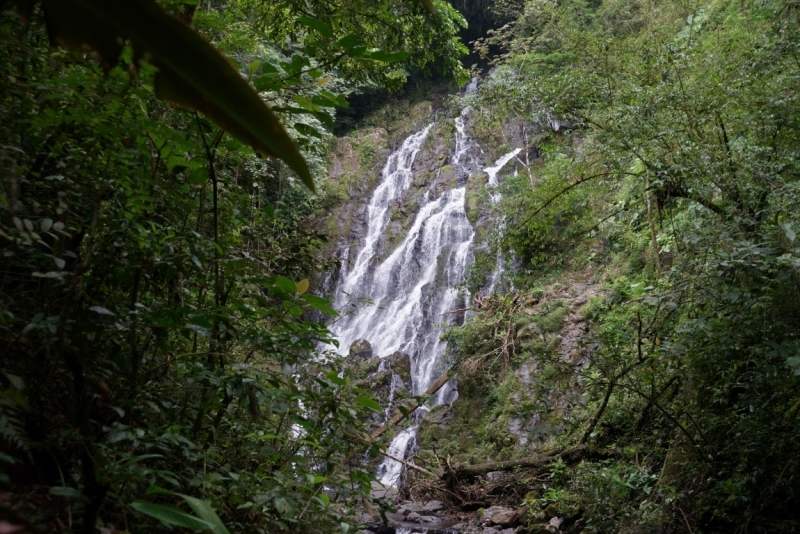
(361, 348)
(408, 507)
(430, 519)
(379, 491)
(472, 530)
(413, 516)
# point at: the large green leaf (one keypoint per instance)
(202, 508)
(172, 515)
(191, 72)
(205, 512)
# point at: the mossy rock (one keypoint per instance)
(400, 363)
(553, 320)
(382, 379)
(361, 349)
(367, 367)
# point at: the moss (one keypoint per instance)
(553, 320)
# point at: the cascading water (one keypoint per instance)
(415, 285)
(494, 196)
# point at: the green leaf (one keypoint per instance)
(366, 402)
(158, 490)
(333, 377)
(318, 25)
(65, 491)
(191, 72)
(320, 304)
(389, 57)
(285, 284)
(172, 515)
(351, 43)
(204, 510)
(268, 82)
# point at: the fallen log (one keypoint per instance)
(407, 464)
(436, 386)
(570, 456)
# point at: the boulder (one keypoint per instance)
(379, 491)
(506, 518)
(361, 349)
(487, 515)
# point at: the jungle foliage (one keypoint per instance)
(159, 367)
(667, 171)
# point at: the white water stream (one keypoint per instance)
(415, 284)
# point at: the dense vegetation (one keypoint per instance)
(671, 180)
(159, 365)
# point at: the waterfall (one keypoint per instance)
(494, 196)
(415, 285)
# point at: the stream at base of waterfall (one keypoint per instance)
(415, 284)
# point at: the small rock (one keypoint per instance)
(557, 522)
(495, 476)
(490, 530)
(429, 519)
(471, 530)
(413, 516)
(433, 506)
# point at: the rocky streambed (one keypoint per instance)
(434, 517)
